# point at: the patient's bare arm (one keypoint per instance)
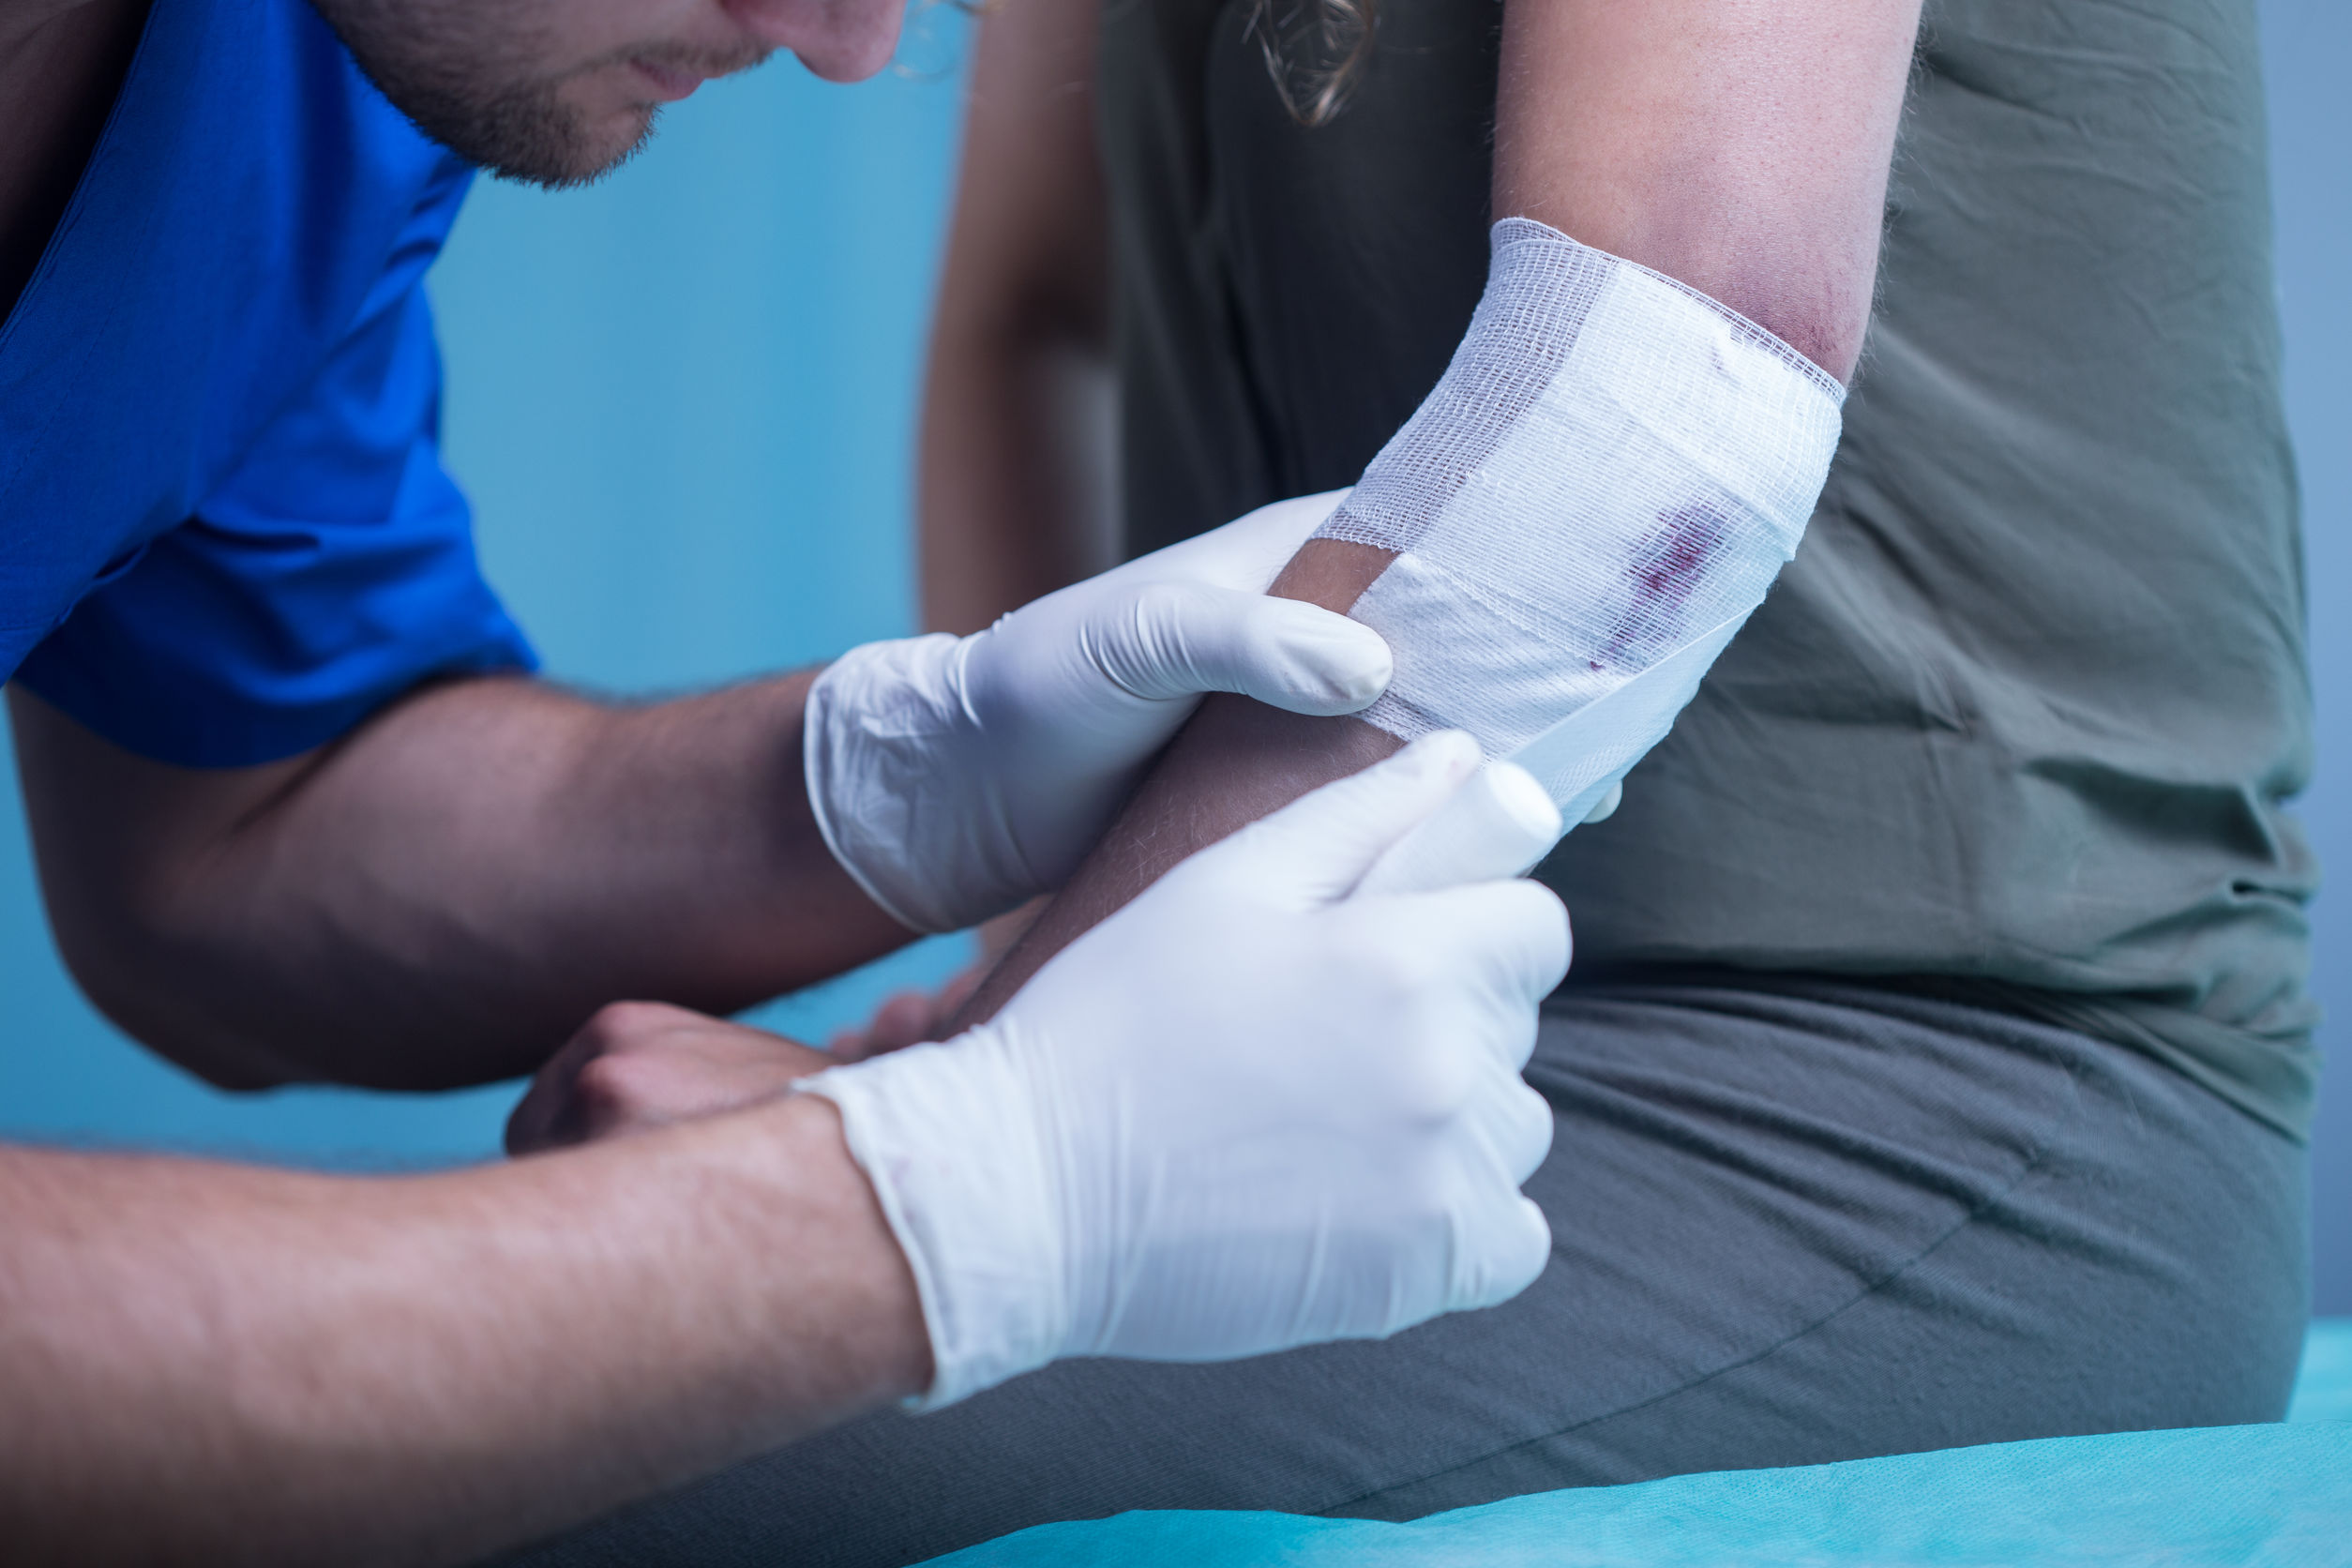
(1740, 146)
(1236, 762)
(1014, 494)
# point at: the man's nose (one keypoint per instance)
(840, 40)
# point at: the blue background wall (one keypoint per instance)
(683, 402)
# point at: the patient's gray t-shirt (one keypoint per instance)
(2021, 719)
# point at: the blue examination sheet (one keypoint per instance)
(2257, 1497)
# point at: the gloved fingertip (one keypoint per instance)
(1326, 664)
(1529, 1124)
(1560, 951)
(1504, 1259)
(1361, 664)
(1534, 1233)
(1452, 753)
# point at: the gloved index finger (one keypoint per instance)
(1170, 640)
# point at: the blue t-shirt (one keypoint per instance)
(225, 533)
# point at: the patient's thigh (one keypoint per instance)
(1791, 1224)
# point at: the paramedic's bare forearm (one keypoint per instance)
(210, 1363)
(1014, 496)
(1740, 146)
(445, 895)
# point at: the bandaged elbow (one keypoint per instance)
(1600, 490)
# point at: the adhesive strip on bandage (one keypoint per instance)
(1598, 494)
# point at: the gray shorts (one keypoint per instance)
(1792, 1222)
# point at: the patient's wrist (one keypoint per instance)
(1332, 572)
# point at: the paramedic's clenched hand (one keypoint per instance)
(955, 778)
(1256, 1108)
(638, 1065)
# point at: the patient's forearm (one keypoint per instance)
(1236, 762)
(1739, 147)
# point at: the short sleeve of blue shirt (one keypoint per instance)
(248, 458)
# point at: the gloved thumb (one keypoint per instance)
(1497, 825)
(1315, 849)
(1178, 640)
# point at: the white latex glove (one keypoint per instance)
(958, 777)
(1255, 1109)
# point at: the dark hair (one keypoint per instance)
(1315, 50)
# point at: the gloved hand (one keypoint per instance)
(1252, 1110)
(957, 777)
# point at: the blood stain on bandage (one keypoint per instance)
(1665, 568)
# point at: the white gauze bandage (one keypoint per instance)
(1593, 501)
